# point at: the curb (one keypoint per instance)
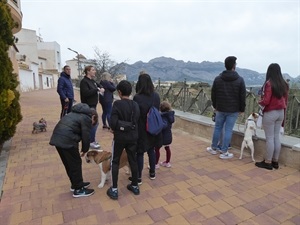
(3, 163)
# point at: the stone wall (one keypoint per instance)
(203, 127)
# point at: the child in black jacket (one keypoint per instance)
(124, 124)
(168, 118)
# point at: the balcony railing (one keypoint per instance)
(198, 101)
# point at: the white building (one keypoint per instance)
(39, 62)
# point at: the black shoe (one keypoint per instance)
(264, 165)
(83, 192)
(139, 180)
(133, 189)
(275, 165)
(85, 185)
(112, 194)
(152, 176)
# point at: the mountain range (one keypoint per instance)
(169, 69)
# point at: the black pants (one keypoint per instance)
(66, 107)
(131, 155)
(72, 162)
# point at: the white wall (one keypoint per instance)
(50, 51)
(26, 80)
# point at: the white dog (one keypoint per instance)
(250, 129)
(103, 159)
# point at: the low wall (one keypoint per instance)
(203, 127)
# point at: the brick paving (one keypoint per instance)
(199, 188)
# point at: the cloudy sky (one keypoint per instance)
(258, 32)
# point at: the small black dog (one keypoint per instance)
(40, 126)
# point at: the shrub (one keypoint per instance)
(10, 111)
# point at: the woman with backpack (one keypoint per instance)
(145, 97)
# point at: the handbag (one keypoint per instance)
(126, 126)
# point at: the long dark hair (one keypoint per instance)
(278, 85)
(144, 85)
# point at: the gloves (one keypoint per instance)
(281, 130)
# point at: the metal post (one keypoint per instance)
(78, 63)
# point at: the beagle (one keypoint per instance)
(103, 159)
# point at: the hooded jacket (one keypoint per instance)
(73, 128)
(168, 119)
(228, 93)
(65, 86)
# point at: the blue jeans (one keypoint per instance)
(223, 119)
(106, 112)
(93, 133)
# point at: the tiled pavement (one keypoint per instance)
(199, 188)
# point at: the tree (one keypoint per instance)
(104, 63)
(10, 111)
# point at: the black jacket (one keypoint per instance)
(125, 110)
(168, 119)
(74, 127)
(228, 93)
(146, 140)
(89, 91)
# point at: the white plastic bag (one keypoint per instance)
(281, 131)
(259, 122)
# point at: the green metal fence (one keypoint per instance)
(198, 101)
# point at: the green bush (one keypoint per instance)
(10, 111)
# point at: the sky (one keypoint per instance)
(257, 32)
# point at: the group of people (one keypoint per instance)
(228, 96)
(126, 118)
(81, 124)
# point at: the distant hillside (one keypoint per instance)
(169, 69)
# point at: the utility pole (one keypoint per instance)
(78, 63)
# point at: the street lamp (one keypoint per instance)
(78, 63)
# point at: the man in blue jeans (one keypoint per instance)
(228, 95)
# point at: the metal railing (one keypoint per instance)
(198, 101)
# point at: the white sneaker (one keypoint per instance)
(165, 164)
(94, 145)
(211, 151)
(226, 155)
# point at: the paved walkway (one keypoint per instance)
(199, 189)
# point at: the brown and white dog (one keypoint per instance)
(250, 130)
(103, 159)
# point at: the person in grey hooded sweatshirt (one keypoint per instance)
(68, 132)
(228, 96)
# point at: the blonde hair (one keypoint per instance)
(165, 106)
(106, 76)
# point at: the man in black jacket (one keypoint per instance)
(228, 95)
(69, 131)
